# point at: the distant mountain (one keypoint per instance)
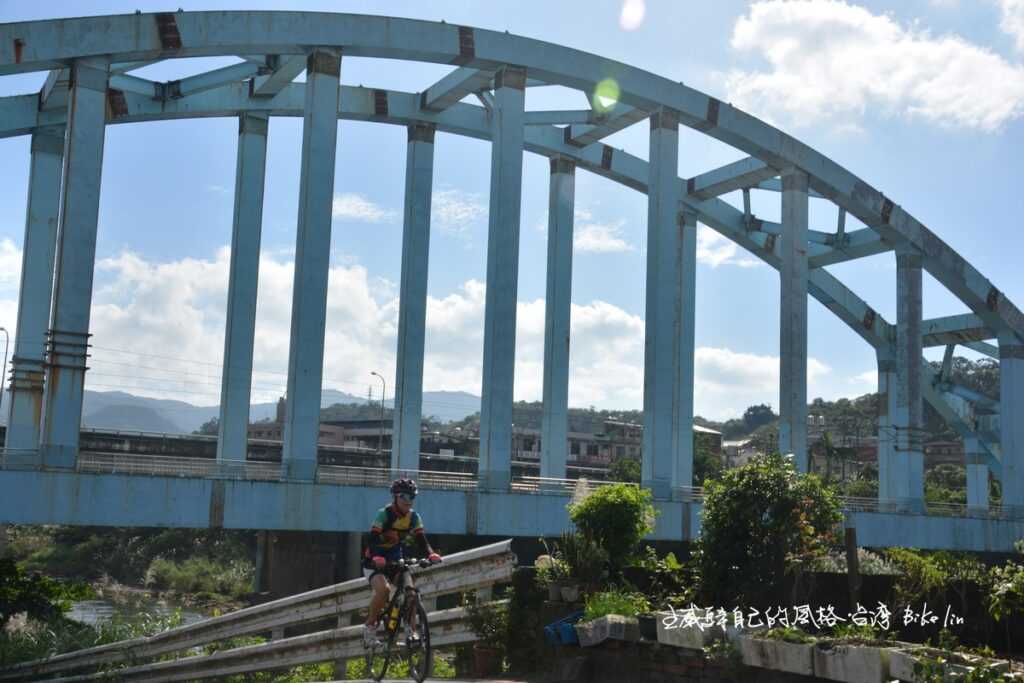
(129, 417)
(121, 410)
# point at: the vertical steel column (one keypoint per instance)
(661, 359)
(557, 306)
(977, 476)
(76, 255)
(312, 261)
(886, 433)
(908, 420)
(28, 364)
(502, 278)
(236, 379)
(793, 320)
(686, 313)
(412, 302)
(1011, 424)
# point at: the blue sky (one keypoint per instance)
(920, 98)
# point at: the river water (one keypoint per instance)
(96, 612)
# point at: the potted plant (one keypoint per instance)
(611, 615)
(782, 649)
(587, 562)
(489, 622)
(552, 573)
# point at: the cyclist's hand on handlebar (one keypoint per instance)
(434, 558)
(379, 562)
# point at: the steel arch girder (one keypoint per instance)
(30, 46)
(469, 120)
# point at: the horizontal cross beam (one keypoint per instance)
(455, 86)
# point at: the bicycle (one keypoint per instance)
(404, 603)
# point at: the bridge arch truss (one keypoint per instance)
(90, 85)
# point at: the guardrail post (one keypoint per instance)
(236, 379)
(412, 302)
(502, 278)
(312, 262)
(80, 200)
(37, 261)
(793, 318)
(558, 302)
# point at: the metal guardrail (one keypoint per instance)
(372, 476)
(460, 572)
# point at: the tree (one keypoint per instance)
(616, 516)
(209, 428)
(756, 416)
(755, 519)
(625, 469)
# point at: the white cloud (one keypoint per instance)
(455, 212)
(600, 237)
(356, 207)
(158, 330)
(830, 61)
(715, 250)
(217, 189)
(868, 379)
(1012, 20)
(10, 265)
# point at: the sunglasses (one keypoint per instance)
(407, 497)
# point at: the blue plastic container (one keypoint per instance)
(562, 632)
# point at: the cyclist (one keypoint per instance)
(391, 528)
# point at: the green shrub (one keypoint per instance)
(614, 602)
(201, 575)
(756, 519)
(616, 516)
(788, 634)
(585, 558)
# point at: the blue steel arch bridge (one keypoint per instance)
(90, 84)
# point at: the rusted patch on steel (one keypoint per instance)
(567, 137)
(712, 116)
(467, 46)
(217, 505)
(323, 62)
(869, 318)
(606, 157)
(380, 102)
(665, 118)
(116, 105)
(562, 165)
(19, 45)
(756, 224)
(510, 77)
(167, 27)
(886, 209)
(769, 243)
(992, 300)
(422, 132)
(691, 185)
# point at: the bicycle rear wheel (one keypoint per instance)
(418, 653)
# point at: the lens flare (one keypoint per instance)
(632, 14)
(606, 95)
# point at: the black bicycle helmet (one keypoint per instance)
(403, 486)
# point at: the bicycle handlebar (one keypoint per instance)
(407, 562)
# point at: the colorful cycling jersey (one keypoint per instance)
(392, 529)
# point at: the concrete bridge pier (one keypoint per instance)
(236, 379)
(289, 562)
(907, 486)
(793, 318)
(668, 336)
(507, 132)
(80, 199)
(1011, 410)
(37, 262)
(412, 302)
(977, 476)
(312, 263)
(557, 312)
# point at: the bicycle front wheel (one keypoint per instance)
(418, 652)
(379, 656)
